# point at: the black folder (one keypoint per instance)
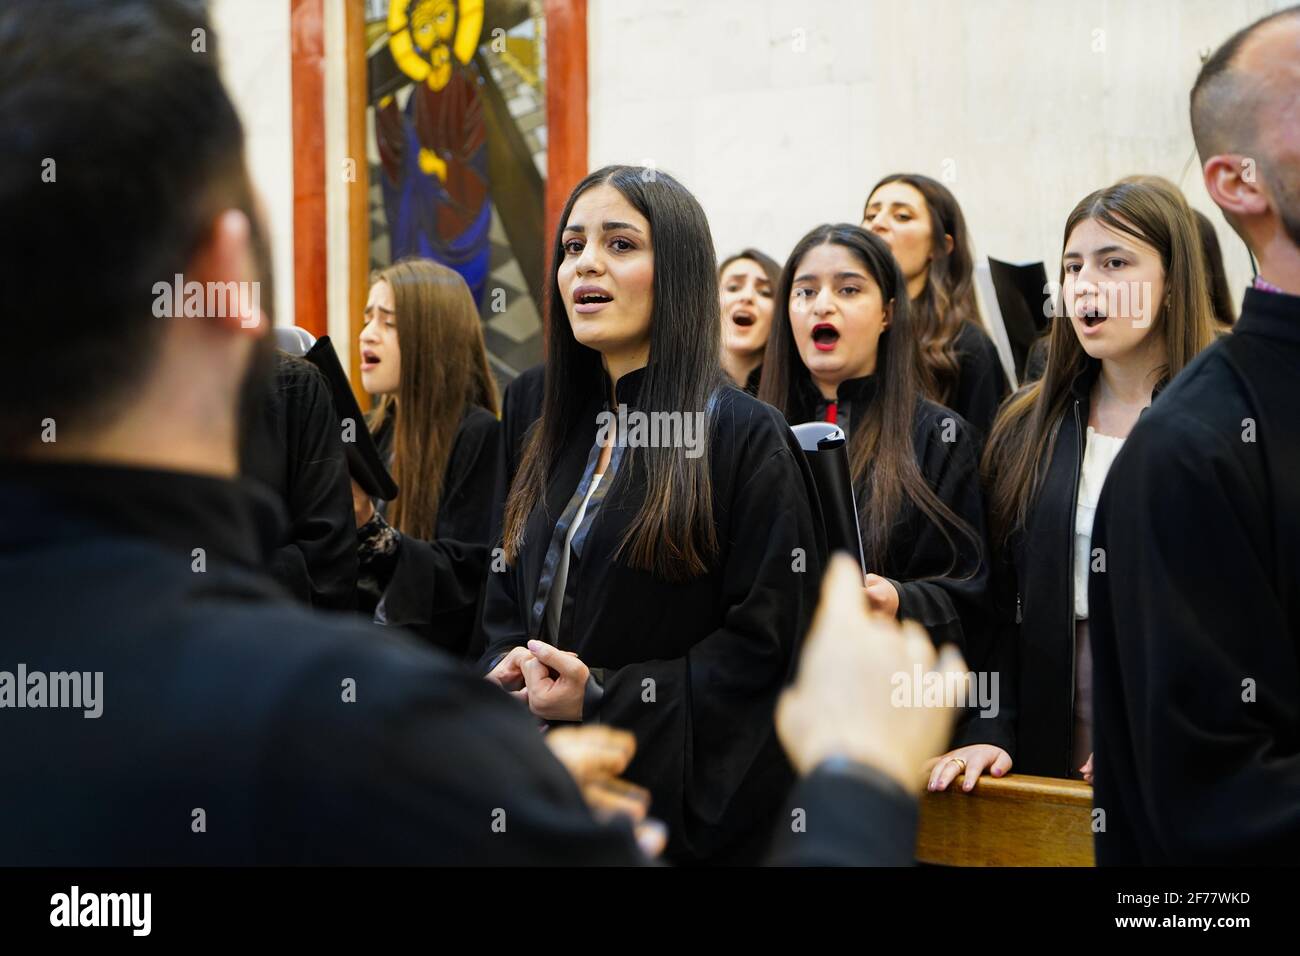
(1024, 299)
(364, 461)
(827, 450)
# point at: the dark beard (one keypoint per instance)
(1291, 222)
(1286, 197)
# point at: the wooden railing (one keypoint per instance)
(1013, 821)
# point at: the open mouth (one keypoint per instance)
(588, 298)
(825, 336)
(1092, 319)
(368, 359)
(743, 319)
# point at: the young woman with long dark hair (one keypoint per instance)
(842, 350)
(1134, 311)
(746, 285)
(657, 585)
(957, 363)
(423, 555)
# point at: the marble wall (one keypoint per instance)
(781, 115)
(255, 58)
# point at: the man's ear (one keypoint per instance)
(224, 263)
(1233, 183)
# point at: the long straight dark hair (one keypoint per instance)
(1023, 438)
(673, 534)
(948, 298)
(882, 457)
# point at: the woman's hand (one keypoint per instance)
(1086, 770)
(882, 596)
(555, 681)
(972, 761)
(362, 507)
(507, 674)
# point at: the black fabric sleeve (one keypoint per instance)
(1184, 615)
(426, 766)
(319, 560)
(847, 815)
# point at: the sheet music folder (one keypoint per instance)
(365, 463)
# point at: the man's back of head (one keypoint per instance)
(120, 150)
(1245, 112)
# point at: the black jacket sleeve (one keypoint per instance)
(1183, 623)
(431, 766)
(847, 815)
(318, 563)
(426, 766)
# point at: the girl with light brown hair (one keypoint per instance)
(423, 555)
(1134, 311)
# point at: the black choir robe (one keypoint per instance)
(947, 592)
(221, 694)
(1195, 625)
(693, 668)
(521, 406)
(981, 381)
(295, 448)
(1032, 634)
(433, 587)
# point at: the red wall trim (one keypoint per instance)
(566, 106)
(307, 30)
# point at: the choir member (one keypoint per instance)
(1134, 312)
(842, 350)
(746, 284)
(957, 363)
(423, 556)
(218, 693)
(1195, 624)
(295, 448)
(656, 585)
